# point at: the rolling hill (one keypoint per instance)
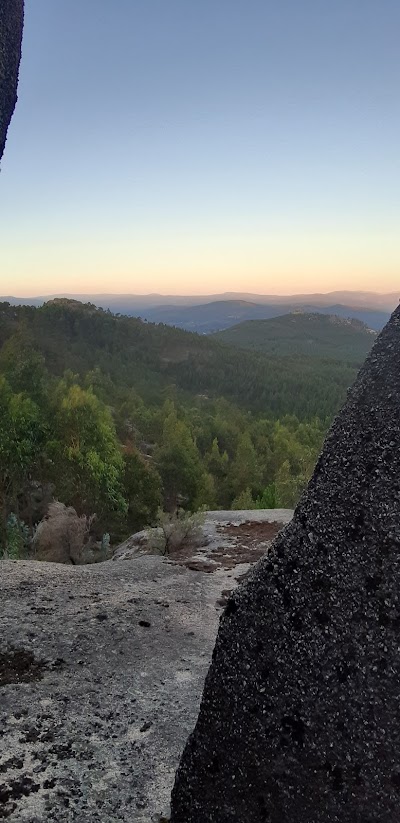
(116, 415)
(310, 334)
(223, 314)
(149, 358)
(210, 313)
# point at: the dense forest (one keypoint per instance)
(309, 333)
(117, 417)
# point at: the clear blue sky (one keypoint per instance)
(202, 146)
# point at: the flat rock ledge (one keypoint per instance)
(102, 669)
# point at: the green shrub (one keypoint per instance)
(175, 529)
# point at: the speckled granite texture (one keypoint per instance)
(300, 716)
(101, 673)
(11, 23)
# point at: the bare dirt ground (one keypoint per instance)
(250, 541)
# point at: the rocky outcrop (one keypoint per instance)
(11, 24)
(101, 673)
(300, 716)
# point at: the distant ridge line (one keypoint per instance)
(364, 299)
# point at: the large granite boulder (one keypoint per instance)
(11, 24)
(300, 716)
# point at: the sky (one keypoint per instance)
(202, 146)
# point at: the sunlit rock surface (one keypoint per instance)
(300, 717)
(11, 23)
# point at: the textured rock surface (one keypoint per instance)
(11, 22)
(300, 716)
(101, 673)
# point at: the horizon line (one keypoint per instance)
(197, 294)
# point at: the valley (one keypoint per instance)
(117, 418)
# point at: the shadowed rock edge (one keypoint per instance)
(11, 26)
(299, 720)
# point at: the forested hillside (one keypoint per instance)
(310, 334)
(209, 314)
(116, 417)
(224, 314)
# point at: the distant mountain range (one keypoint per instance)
(210, 313)
(313, 334)
(219, 315)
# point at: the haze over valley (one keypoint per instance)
(210, 313)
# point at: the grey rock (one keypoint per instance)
(135, 544)
(300, 716)
(11, 25)
(101, 673)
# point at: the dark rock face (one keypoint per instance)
(300, 717)
(11, 23)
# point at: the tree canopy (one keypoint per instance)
(114, 417)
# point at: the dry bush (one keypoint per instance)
(176, 531)
(62, 536)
